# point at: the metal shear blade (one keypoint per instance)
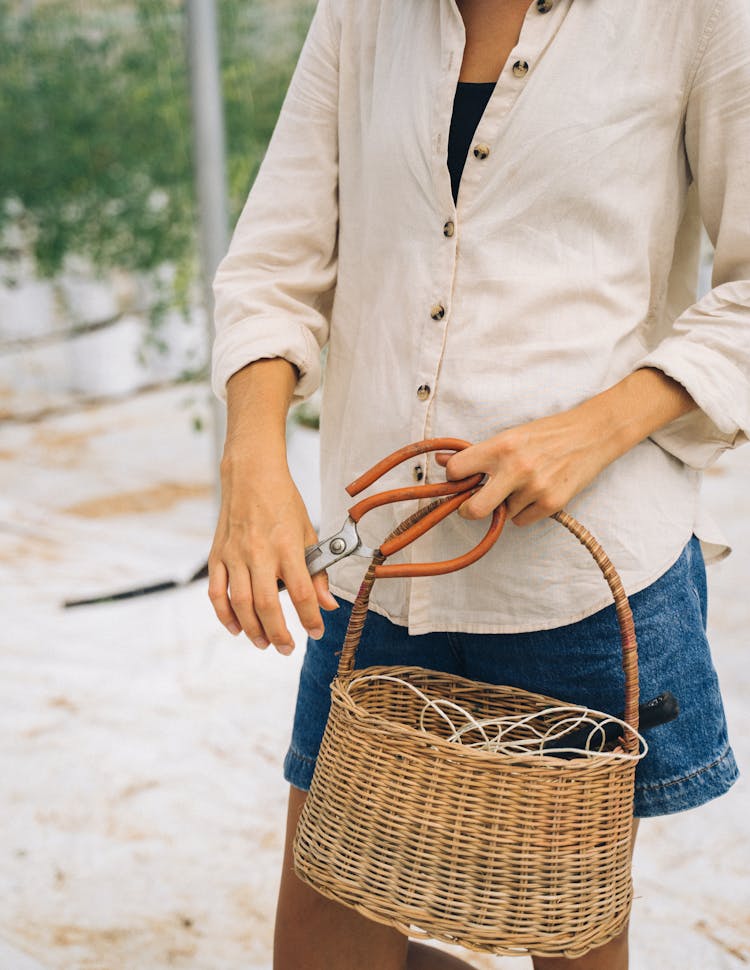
(345, 542)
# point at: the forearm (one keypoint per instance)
(627, 413)
(538, 467)
(258, 399)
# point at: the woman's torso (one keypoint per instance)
(546, 283)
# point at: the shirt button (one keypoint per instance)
(520, 68)
(437, 312)
(481, 151)
(423, 392)
(544, 6)
(418, 473)
(448, 229)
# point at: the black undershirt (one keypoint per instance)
(468, 106)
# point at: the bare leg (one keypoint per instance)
(316, 933)
(611, 956)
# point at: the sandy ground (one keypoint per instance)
(142, 803)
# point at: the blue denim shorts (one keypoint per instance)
(689, 760)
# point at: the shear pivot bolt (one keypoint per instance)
(336, 546)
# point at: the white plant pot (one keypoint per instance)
(106, 361)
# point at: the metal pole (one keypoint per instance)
(209, 153)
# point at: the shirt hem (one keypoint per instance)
(463, 625)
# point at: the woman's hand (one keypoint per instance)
(537, 468)
(261, 535)
(263, 525)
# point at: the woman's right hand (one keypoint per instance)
(261, 535)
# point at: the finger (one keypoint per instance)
(241, 598)
(517, 502)
(460, 464)
(325, 598)
(303, 595)
(485, 501)
(469, 462)
(528, 516)
(320, 580)
(217, 592)
(267, 606)
(535, 511)
(472, 509)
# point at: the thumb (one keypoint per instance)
(325, 597)
(326, 600)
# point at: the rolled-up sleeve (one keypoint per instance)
(708, 349)
(274, 287)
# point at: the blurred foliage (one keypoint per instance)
(96, 155)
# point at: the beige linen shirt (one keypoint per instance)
(569, 261)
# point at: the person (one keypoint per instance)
(488, 212)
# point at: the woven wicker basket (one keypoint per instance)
(508, 854)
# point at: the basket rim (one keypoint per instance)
(632, 740)
(342, 697)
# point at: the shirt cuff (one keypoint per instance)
(254, 339)
(719, 389)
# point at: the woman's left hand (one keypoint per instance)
(537, 468)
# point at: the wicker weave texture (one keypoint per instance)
(521, 854)
(463, 845)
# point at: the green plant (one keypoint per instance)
(94, 105)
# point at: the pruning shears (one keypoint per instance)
(347, 542)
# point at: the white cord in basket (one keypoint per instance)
(494, 731)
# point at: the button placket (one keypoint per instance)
(442, 268)
(452, 39)
(537, 32)
(432, 339)
(433, 342)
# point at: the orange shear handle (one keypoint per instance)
(460, 491)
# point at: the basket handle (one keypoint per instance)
(622, 608)
(624, 621)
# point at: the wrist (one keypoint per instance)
(615, 426)
(635, 407)
(251, 450)
(258, 399)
